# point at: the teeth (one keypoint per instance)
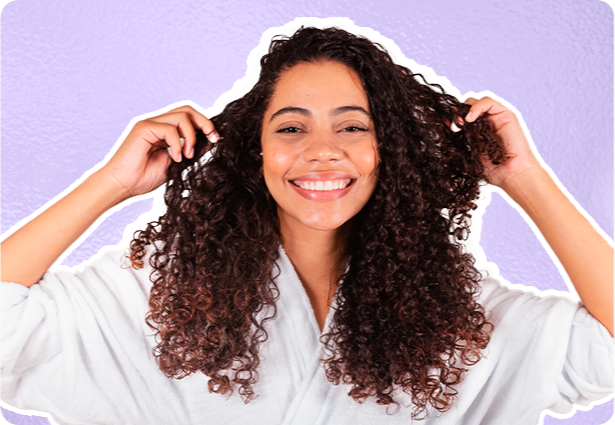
(323, 185)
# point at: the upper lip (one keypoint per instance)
(323, 176)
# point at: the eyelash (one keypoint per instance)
(355, 128)
(293, 129)
(289, 129)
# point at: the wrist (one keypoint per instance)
(532, 189)
(106, 189)
(525, 181)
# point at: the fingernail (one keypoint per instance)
(455, 128)
(214, 137)
(191, 153)
(469, 116)
(179, 157)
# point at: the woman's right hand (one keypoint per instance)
(139, 166)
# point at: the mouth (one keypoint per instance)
(323, 185)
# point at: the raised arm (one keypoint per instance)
(139, 166)
(585, 255)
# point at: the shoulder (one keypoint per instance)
(105, 285)
(503, 300)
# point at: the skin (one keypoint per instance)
(318, 128)
(315, 231)
(138, 167)
(585, 255)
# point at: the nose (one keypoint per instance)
(322, 148)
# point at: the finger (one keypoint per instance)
(486, 105)
(452, 125)
(182, 141)
(185, 127)
(201, 121)
(154, 132)
(472, 114)
(456, 123)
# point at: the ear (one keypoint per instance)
(260, 170)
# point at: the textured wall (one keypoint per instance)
(74, 73)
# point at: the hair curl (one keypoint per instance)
(406, 317)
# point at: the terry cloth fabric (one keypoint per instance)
(76, 345)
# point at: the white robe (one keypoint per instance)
(76, 345)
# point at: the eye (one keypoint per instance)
(289, 129)
(353, 128)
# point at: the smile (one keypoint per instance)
(323, 185)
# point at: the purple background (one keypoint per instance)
(74, 73)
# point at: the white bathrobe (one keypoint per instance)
(76, 345)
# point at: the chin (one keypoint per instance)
(314, 218)
(325, 223)
(325, 227)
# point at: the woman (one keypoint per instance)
(333, 208)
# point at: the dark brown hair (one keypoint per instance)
(407, 316)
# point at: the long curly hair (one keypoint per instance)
(406, 315)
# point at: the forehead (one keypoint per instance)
(325, 83)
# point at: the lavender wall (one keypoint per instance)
(74, 73)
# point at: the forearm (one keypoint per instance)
(585, 255)
(31, 250)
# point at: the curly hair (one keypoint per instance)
(406, 315)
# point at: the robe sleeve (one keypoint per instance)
(546, 352)
(77, 342)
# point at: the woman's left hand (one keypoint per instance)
(505, 127)
(585, 254)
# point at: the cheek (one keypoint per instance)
(370, 160)
(276, 164)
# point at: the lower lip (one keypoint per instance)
(322, 195)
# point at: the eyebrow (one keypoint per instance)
(307, 113)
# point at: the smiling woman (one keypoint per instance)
(381, 235)
(317, 134)
(320, 158)
(311, 255)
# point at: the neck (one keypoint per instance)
(319, 258)
(321, 249)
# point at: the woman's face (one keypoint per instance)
(319, 146)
